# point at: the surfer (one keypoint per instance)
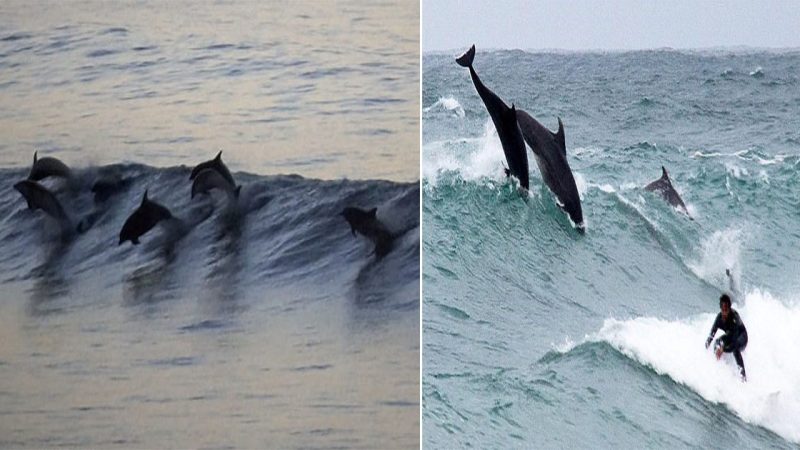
(735, 338)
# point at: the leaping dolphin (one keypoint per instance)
(663, 186)
(47, 167)
(215, 164)
(107, 186)
(550, 151)
(505, 122)
(39, 197)
(367, 224)
(208, 179)
(146, 216)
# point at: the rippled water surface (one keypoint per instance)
(306, 87)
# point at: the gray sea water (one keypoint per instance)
(260, 325)
(536, 336)
(305, 88)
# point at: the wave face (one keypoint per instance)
(538, 336)
(232, 312)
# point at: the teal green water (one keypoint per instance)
(537, 336)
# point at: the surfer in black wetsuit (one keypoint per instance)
(735, 338)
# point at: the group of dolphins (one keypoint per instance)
(208, 175)
(516, 127)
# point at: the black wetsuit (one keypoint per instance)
(735, 338)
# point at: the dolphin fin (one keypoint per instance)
(664, 174)
(219, 156)
(35, 156)
(559, 137)
(135, 241)
(465, 60)
(237, 191)
(372, 212)
(512, 113)
(30, 205)
(144, 198)
(353, 230)
(507, 171)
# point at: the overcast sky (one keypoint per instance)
(606, 24)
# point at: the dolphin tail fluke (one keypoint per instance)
(465, 60)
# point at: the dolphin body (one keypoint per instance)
(215, 164)
(208, 179)
(663, 186)
(48, 167)
(505, 122)
(106, 187)
(550, 151)
(367, 224)
(146, 216)
(39, 197)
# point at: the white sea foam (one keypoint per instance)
(447, 103)
(580, 183)
(718, 252)
(473, 159)
(736, 171)
(771, 396)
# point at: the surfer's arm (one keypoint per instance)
(713, 329)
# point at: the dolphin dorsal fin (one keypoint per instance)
(559, 137)
(664, 174)
(511, 113)
(144, 198)
(219, 156)
(35, 156)
(372, 212)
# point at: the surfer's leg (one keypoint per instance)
(724, 341)
(739, 362)
(738, 346)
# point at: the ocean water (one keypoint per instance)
(264, 324)
(536, 336)
(301, 88)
